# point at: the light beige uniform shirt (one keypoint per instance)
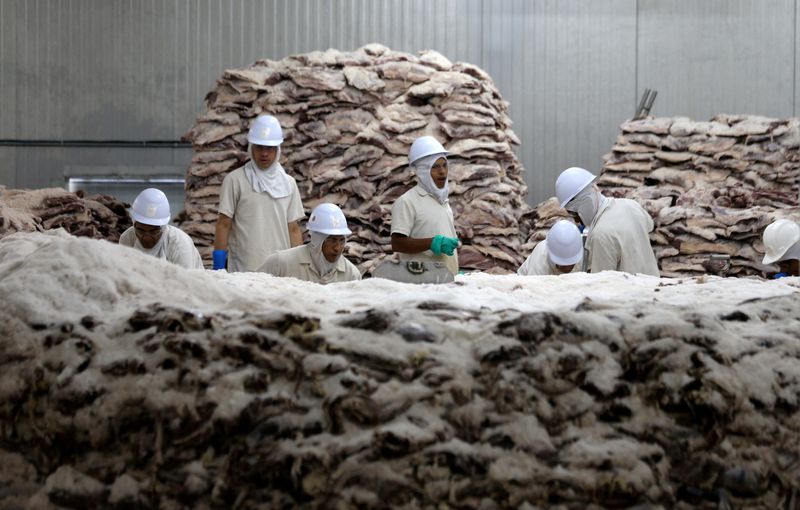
(418, 214)
(259, 221)
(618, 239)
(296, 262)
(178, 247)
(538, 263)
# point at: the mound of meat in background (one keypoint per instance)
(98, 216)
(711, 188)
(349, 119)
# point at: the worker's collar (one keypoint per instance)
(423, 192)
(304, 257)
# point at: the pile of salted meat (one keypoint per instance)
(98, 216)
(349, 119)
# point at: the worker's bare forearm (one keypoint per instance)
(222, 232)
(295, 234)
(405, 244)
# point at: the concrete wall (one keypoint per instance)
(572, 69)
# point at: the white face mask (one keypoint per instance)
(324, 267)
(422, 167)
(586, 204)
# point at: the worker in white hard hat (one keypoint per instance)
(152, 234)
(321, 260)
(617, 228)
(260, 205)
(782, 246)
(422, 221)
(560, 252)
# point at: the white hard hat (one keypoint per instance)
(151, 207)
(424, 146)
(265, 130)
(564, 245)
(571, 182)
(328, 219)
(779, 236)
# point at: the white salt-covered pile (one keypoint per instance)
(128, 382)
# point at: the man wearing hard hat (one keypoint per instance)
(260, 204)
(617, 228)
(782, 245)
(561, 252)
(152, 235)
(321, 260)
(422, 221)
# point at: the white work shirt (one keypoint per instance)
(178, 247)
(618, 239)
(260, 222)
(296, 263)
(538, 263)
(418, 215)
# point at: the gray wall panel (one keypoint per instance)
(718, 56)
(9, 13)
(40, 167)
(567, 67)
(139, 69)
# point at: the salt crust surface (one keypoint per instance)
(54, 277)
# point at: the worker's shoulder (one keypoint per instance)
(409, 195)
(178, 233)
(235, 175)
(626, 203)
(298, 254)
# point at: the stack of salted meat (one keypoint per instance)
(711, 187)
(433, 405)
(98, 216)
(349, 119)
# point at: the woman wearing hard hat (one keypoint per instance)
(152, 235)
(617, 228)
(260, 204)
(561, 252)
(782, 245)
(422, 221)
(321, 260)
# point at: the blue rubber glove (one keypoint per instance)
(442, 244)
(780, 275)
(220, 259)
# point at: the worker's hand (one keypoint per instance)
(449, 245)
(220, 259)
(442, 244)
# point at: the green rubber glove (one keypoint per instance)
(449, 245)
(442, 244)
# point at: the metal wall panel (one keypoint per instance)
(568, 68)
(718, 56)
(572, 69)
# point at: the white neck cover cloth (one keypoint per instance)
(587, 203)
(423, 167)
(272, 180)
(324, 268)
(159, 250)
